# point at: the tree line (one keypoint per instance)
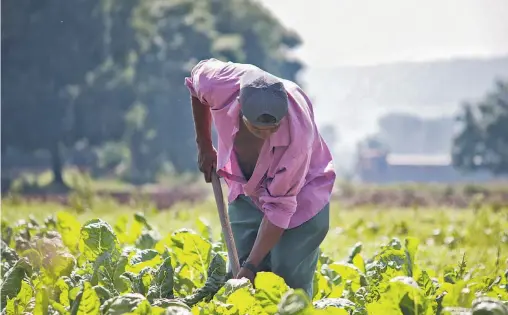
(110, 73)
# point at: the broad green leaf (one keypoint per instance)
(142, 259)
(176, 310)
(333, 278)
(141, 281)
(41, 300)
(157, 310)
(457, 294)
(332, 303)
(269, 290)
(11, 284)
(20, 303)
(499, 293)
(295, 302)
(409, 298)
(127, 229)
(63, 288)
(215, 280)
(34, 257)
(125, 303)
(97, 237)
(162, 283)
(239, 294)
(173, 307)
(140, 217)
(347, 272)
(359, 263)
(90, 303)
(487, 305)
(68, 227)
(231, 286)
(143, 308)
(147, 239)
(411, 247)
(321, 286)
(245, 302)
(73, 293)
(333, 311)
(391, 262)
(355, 258)
(102, 292)
(8, 254)
(190, 256)
(25, 294)
(107, 271)
(214, 307)
(164, 303)
(120, 283)
(406, 280)
(50, 255)
(426, 284)
(384, 307)
(61, 265)
(62, 310)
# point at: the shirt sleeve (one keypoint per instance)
(278, 199)
(201, 78)
(215, 82)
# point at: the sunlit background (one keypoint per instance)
(388, 79)
(367, 59)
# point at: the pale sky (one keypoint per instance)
(355, 32)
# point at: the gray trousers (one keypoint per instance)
(295, 256)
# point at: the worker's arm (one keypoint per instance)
(269, 235)
(202, 123)
(207, 155)
(207, 89)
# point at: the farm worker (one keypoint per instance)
(278, 169)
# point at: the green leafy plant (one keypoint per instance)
(64, 267)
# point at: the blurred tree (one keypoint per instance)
(113, 70)
(258, 37)
(482, 142)
(48, 48)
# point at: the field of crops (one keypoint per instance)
(112, 259)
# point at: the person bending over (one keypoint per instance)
(278, 169)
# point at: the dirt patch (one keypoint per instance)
(162, 198)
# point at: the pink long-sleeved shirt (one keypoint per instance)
(294, 175)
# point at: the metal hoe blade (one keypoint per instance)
(226, 227)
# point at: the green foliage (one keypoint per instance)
(64, 267)
(482, 143)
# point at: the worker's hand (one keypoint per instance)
(207, 161)
(246, 273)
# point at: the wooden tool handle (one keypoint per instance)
(226, 227)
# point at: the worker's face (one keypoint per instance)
(263, 132)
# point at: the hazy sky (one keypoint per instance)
(338, 32)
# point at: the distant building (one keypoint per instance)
(376, 166)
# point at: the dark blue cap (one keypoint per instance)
(262, 93)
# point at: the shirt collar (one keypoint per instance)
(281, 137)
